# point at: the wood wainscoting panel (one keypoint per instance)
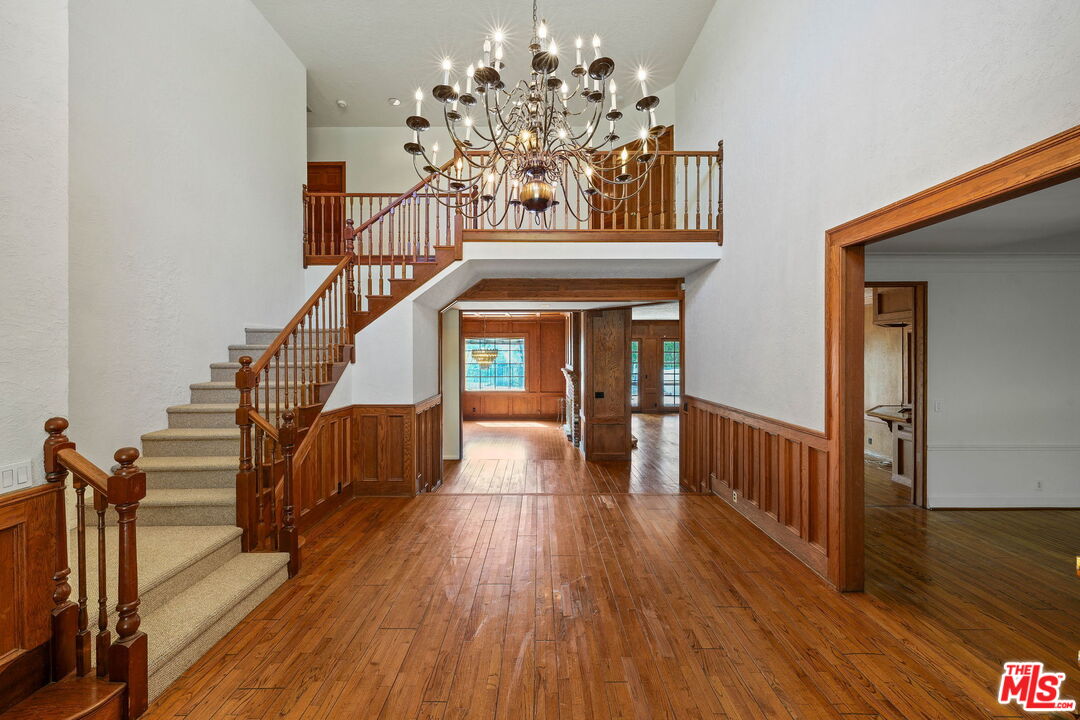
(325, 468)
(545, 354)
(391, 450)
(28, 550)
(774, 473)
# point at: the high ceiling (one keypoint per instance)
(1045, 221)
(365, 52)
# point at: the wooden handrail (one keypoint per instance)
(85, 470)
(261, 422)
(125, 659)
(291, 326)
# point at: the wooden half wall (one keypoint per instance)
(773, 473)
(368, 450)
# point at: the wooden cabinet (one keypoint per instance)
(894, 306)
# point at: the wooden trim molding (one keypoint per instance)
(616, 236)
(1051, 161)
(773, 473)
(576, 289)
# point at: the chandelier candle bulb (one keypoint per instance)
(446, 67)
(457, 91)
(435, 154)
(468, 81)
(611, 87)
(419, 95)
(596, 47)
(577, 48)
(487, 52)
(642, 75)
(468, 127)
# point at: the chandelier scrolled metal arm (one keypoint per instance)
(518, 148)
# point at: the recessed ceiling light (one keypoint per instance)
(393, 101)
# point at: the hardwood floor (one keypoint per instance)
(592, 602)
(533, 456)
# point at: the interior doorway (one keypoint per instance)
(894, 388)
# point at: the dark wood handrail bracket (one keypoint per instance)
(123, 660)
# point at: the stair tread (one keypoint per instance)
(164, 551)
(154, 463)
(173, 497)
(193, 434)
(202, 407)
(236, 365)
(70, 697)
(176, 623)
(245, 346)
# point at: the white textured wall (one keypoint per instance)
(829, 109)
(187, 158)
(374, 158)
(33, 225)
(1003, 381)
(451, 384)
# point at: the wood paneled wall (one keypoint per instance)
(369, 450)
(28, 554)
(606, 384)
(545, 353)
(773, 473)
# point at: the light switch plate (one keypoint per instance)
(15, 475)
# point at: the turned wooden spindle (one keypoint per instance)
(104, 637)
(65, 613)
(288, 539)
(246, 512)
(82, 635)
(127, 656)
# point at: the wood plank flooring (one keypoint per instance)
(569, 598)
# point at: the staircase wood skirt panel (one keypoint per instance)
(774, 473)
(575, 289)
(370, 450)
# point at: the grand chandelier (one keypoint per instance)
(544, 141)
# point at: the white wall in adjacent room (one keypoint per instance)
(373, 156)
(829, 109)
(33, 230)
(187, 158)
(1003, 381)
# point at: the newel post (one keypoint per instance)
(127, 656)
(288, 539)
(245, 476)
(65, 614)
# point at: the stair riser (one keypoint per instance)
(177, 479)
(228, 374)
(172, 447)
(163, 675)
(174, 515)
(223, 419)
(236, 353)
(265, 337)
(215, 395)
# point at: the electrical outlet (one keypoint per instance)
(939, 405)
(15, 475)
(734, 496)
(1038, 484)
(869, 441)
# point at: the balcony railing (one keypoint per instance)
(681, 199)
